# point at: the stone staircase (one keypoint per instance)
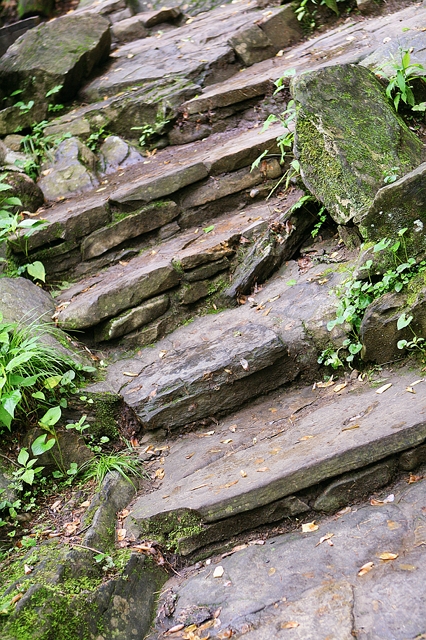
(198, 282)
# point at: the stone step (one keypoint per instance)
(281, 457)
(351, 42)
(163, 174)
(219, 361)
(187, 260)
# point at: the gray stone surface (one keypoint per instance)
(280, 453)
(295, 578)
(133, 319)
(115, 153)
(343, 148)
(71, 172)
(49, 54)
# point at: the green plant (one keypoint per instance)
(322, 212)
(355, 296)
(124, 462)
(416, 343)
(152, 129)
(95, 138)
(400, 81)
(38, 146)
(390, 175)
(305, 15)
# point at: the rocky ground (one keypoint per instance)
(282, 501)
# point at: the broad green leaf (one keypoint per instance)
(52, 382)
(208, 229)
(37, 271)
(41, 445)
(403, 321)
(18, 360)
(23, 457)
(51, 417)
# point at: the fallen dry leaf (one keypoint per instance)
(121, 534)
(160, 473)
(309, 526)
(218, 572)
(175, 629)
(71, 527)
(233, 428)
(228, 633)
(27, 569)
(410, 390)
(407, 567)
(272, 409)
(387, 555)
(324, 538)
(243, 474)
(226, 441)
(384, 388)
(85, 504)
(393, 525)
(130, 374)
(16, 598)
(291, 624)
(378, 503)
(365, 568)
(245, 365)
(162, 354)
(324, 385)
(239, 547)
(414, 478)
(262, 469)
(305, 438)
(271, 571)
(189, 456)
(354, 426)
(339, 387)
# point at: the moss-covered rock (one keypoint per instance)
(62, 52)
(348, 137)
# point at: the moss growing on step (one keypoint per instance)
(170, 528)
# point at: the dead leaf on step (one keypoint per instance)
(410, 390)
(27, 569)
(16, 598)
(229, 484)
(243, 474)
(153, 393)
(325, 538)
(227, 441)
(387, 555)
(200, 486)
(239, 547)
(218, 572)
(271, 571)
(189, 456)
(342, 512)
(324, 385)
(365, 568)
(291, 624)
(208, 433)
(272, 409)
(121, 534)
(384, 388)
(56, 506)
(85, 504)
(267, 312)
(162, 354)
(175, 629)
(305, 438)
(262, 469)
(244, 364)
(160, 473)
(339, 387)
(414, 478)
(71, 527)
(259, 460)
(354, 426)
(309, 526)
(413, 384)
(378, 503)
(233, 428)
(223, 635)
(130, 374)
(407, 567)
(393, 525)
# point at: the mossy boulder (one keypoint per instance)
(58, 53)
(348, 138)
(397, 206)
(25, 189)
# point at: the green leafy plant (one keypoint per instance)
(95, 138)
(147, 131)
(307, 16)
(390, 175)
(355, 295)
(39, 147)
(322, 212)
(416, 343)
(400, 82)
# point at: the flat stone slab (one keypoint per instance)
(297, 585)
(347, 43)
(126, 285)
(264, 453)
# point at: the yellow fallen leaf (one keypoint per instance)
(85, 504)
(262, 469)
(365, 568)
(410, 390)
(218, 572)
(414, 478)
(324, 385)
(407, 567)
(340, 386)
(226, 441)
(273, 410)
(309, 526)
(243, 474)
(354, 426)
(387, 555)
(175, 629)
(160, 473)
(306, 438)
(324, 538)
(271, 571)
(189, 456)
(162, 354)
(190, 628)
(121, 534)
(384, 388)
(130, 374)
(291, 624)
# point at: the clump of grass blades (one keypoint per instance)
(124, 462)
(29, 368)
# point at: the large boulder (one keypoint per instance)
(61, 52)
(22, 187)
(348, 138)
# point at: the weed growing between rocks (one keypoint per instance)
(356, 294)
